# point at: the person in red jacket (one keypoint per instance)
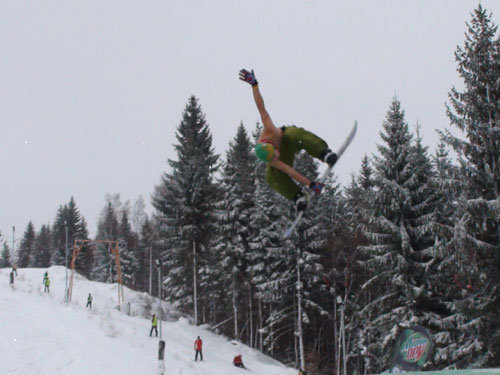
(197, 347)
(238, 362)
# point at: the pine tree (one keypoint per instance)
(43, 248)
(476, 239)
(128, 243)
(107, 230)
(184, 202)
(147, 253)
(234, 211)
(5, 256)
(69, 219)
(400, 239)
(27, 246)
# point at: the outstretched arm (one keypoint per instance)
(249, 77)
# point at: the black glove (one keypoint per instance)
(247, 76)
(316, 187)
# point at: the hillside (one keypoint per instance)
(42, 335)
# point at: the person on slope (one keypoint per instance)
(238, 362)
(198, 343)
(154, 326)
(46, 282)
(89, 302)
(278, 147)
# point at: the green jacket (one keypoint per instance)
(47, 282)
(294, 140)
(155, 321)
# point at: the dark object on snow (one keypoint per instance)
(12, 277)
(238, 362)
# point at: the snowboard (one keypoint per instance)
(289, 230)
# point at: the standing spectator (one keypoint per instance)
(45, 276)
(47, 285)
(89, 302)
(154, 326)
(197, 347)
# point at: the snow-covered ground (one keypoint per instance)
(41, 335)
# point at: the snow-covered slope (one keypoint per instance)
(41, 335)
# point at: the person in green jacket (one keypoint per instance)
(278, 146)
(47, 284)
(89, 302)
(154, 326)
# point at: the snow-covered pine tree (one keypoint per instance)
(147, 253)
(400, 244)
(107, 230)
(184, 206)
(347, 280)
(234, 211)
(69, 215)
(27, 246)
(128, 243)
(475, 111)
(5, 260)
(43, 247)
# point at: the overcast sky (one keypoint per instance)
(91, 92)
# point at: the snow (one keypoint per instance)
(42, 335)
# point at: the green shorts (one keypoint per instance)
(294, 140)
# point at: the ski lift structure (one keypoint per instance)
(114, 251)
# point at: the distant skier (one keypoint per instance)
(154, 326)
(89, 302)
(45, 276)
(47, 285)
(278, 147)
(198, 343)
(238, 362)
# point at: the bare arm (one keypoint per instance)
(264, 115)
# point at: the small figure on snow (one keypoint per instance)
(198, 343)
(154, 326)
(12, 277)
(89, 302)
(278, 147)
(46, 282)
(238, 362)
(45, 276)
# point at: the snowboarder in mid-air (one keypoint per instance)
(278, 147)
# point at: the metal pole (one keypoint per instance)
(158, 264)
(195, 297)
(66, 256)
(161, 347)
